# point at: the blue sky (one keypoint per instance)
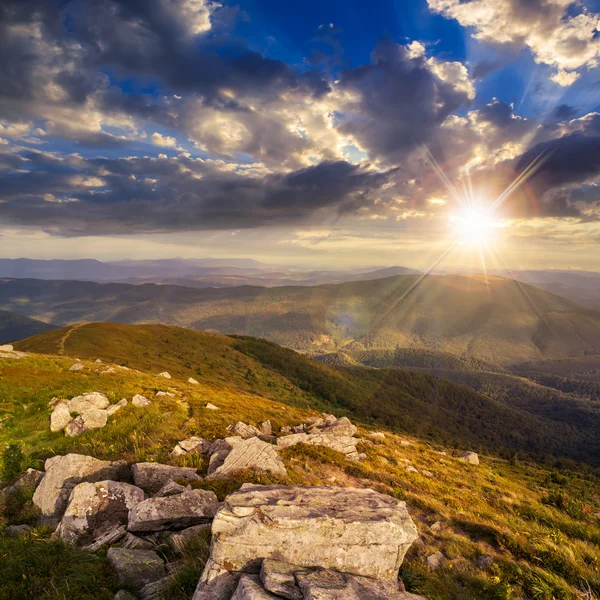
(314, 131)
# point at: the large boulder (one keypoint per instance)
(192, 444)
(219, 451)
(60, 417)
(96, 508)
(342, 426)
(136, 568)
(244, 430)
(94, 418)
(79, 404)
(357, 531)
(279, 577)
(192, 507)
(29, 479)
(152, 476)
(249, 588)
(63, 473)
(251, 454)
(470, 457)
(333, 440)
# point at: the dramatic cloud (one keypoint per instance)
(555, 36)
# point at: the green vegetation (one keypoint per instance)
(538, 524)
(12, 461)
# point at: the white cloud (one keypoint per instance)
(163, 140)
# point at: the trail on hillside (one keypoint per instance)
(65, 337)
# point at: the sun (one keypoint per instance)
(475, 227)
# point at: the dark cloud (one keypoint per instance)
(120, 196)
(483, 68)
(564, 112)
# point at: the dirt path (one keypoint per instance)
(65, 337)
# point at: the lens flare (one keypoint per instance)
(475, 227)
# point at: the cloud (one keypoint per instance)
(552, 33)
(163, 140)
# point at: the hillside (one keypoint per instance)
(502, 322)
(16, 327)
(536, 525)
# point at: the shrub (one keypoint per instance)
(13, 460)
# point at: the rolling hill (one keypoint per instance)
(500, 321)
(16, 327)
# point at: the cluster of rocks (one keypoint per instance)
(268, 542)
(307, 543)
(88, 411)
(8, 351)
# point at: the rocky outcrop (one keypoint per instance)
(173, 512)
(171, 488)
(244, 430)
(470, 457)
(356, 531)
(279, 578)
(136, 568)
(63, 473)
(152, 476)
(94, 509)
(94, 418)
(250, 454)
(30, 479)
(79, 404)
(249, 588)
(178, 541)
(219, 451)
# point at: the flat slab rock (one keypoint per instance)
(356, 531)
(136, 568)
(152, 476)
(251, 454)
(95, 509)
(63, 473)
(335, 441)
(173, 512)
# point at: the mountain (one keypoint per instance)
(531, 517)
(499, 321)
(16, 327)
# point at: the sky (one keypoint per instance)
(318, 133)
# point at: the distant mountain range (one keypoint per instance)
(499, 321)
(15, 327)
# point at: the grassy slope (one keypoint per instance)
(538, 525)
(503, 322)
(405, 401)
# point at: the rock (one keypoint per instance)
(211, 406)
(405, 443)
(164, 394)
(265, 428)
(485, 561)
(7, 348)
(63, 473)
(352, 530)
(169, 489)
(31, 478)
(123, 595)
(173, 512)
(94, 418)
(321, 584)
(251, 454)
(427, 473)
(60, 417)
(411, 469)
(192, 444)
(193, 381)
(437, 526)
(249, 588)
(329, 419)
(165, 374)
(285, 430)
(140, 401)
(178, 541)
(107, 539)
(152, 476)
(298, 428)
(113, 408)
(377, 434)
(96, 508)
(278, 577)
(245, 431)
(136, 568)
(315, 421)
(157, 590)
(470, 457)
(216, 583)
(220, 450)
(85, 402)
(342, 426)
(77, 367)
(137, 543)
(14, 531)
(436, 560)
(342, 443)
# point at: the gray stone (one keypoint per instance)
(31, 478)
(251, 454)
(216, 583)
(136, 542)
(140, 401)
(265, 428)
(470, 457)
(157, 590)
(219, 451)
(211, 406)
(94, 418)
(315, 421)
(152, 476)
(192, 444)
(80, 404)
(7, 348)
(278, 577)
(193, 381)
(95, 509)
(411, 469)
(113, 408)
(14, 531)
(342, 426)
(249, 588)
(136, 568)
(60, 417)
(341, 443)
(63, 473)
(245, 431)
(174, 512)
(485, 561)
(165, 375)
(77, 367)
(170, 489)
(107, 539)
(352, 530)
(436, 560)
(123, 595)
(377, 434)
(178, 541)
(329, 419)
(437, 526)
(164, 395)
